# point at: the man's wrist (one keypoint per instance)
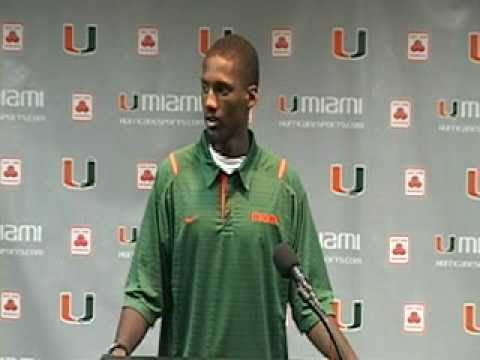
(118, 348)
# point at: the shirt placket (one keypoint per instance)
(224, 201)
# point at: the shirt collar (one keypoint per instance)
(210, 170)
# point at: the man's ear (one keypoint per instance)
(252, 92)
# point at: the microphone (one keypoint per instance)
(288, 265)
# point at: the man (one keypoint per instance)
(203, 262)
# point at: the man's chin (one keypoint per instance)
(212, 133)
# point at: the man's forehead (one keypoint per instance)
(220, 60)
(220, 65)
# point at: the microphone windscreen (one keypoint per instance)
(284, 259)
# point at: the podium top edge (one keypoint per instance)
(110, 357)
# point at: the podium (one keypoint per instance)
(110, 357)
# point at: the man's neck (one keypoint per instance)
(235, 147)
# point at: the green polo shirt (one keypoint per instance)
(203, 261)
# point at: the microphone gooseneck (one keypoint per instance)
(288, 265)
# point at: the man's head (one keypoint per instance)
(236, 47)
(229, 90)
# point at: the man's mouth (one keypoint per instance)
(211, 122)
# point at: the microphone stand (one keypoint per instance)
(306, 292)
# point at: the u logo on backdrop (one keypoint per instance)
(68, 176)
(69, 40)
(356, 315)
(336, 181)
(66, 305)
(338, 45)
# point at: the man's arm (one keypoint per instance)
(144, 290)
(320, 338)
(131, 329)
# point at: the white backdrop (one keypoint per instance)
(375, 103)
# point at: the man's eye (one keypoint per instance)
(223, 90)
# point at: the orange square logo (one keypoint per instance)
(264, 218)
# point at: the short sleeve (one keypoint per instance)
(308, 249)
(145, 286)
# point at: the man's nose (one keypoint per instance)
(211, 100)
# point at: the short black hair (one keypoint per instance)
(236, 47)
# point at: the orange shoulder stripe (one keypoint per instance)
(174, 163)
(282, 168)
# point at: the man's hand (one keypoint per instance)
(119, 352)
(320, 338)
